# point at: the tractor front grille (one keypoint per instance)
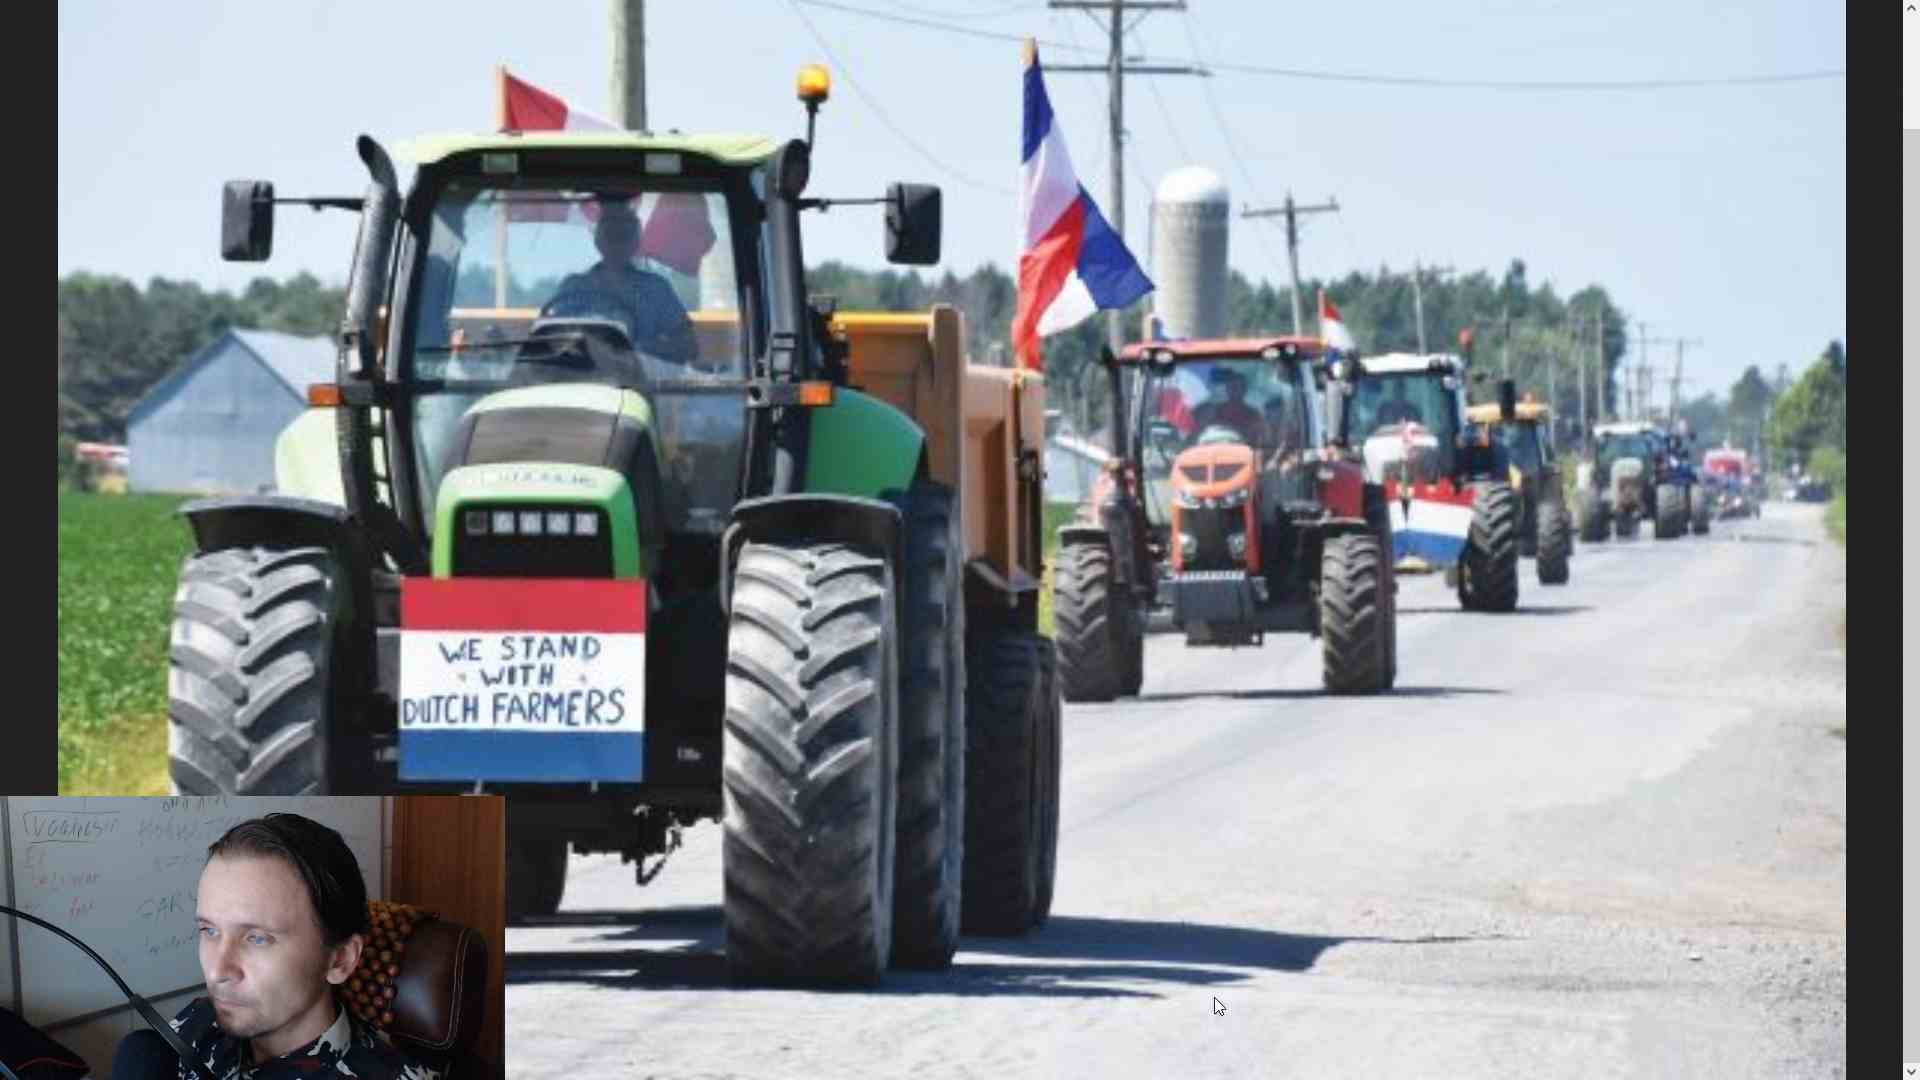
(479, 550)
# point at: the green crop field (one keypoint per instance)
(1052, 516)
(119, 555)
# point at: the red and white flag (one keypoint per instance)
(1332, 330)
(526, 107)
(677, 232)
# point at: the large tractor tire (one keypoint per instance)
(1006, 720)
(536, 873)
(930, 824)
(1356, 615)
(1086, 623)
(810, 754)
(249, 675)
(1133, 647)
(1556, 544)
(1699, 510)
(1626, 525)
(1047, 781)
(1594, 525)
(1490, 565)
(1669, 512)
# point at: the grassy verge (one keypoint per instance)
(1052, 516)
(119, 556)
(1836, 518)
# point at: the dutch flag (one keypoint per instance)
(1072, 263)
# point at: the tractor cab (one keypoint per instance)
(1407, 413)
(1224, 430)
(560, 310)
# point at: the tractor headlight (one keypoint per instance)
(503, 522)
(1189, 547)
(476, 522)
(586, 524)
(559, 523)
(531, 522)
(1237, 546)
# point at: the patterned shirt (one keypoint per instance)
(348, 1048)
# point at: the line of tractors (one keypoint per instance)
(811, 538)
(1261, 485)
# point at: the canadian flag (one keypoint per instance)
(1332, 330)
(677, 232)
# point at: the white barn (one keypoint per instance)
(209, 426)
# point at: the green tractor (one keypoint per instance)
(632, 542)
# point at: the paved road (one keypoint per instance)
(1604, 836)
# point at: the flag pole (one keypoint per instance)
(500, 218)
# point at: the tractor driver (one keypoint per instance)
(1397, 409)
(1232, 411)
(655, 318)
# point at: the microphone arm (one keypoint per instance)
(147, 1011)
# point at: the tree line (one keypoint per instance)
(117, 340)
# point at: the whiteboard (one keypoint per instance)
(121, 874)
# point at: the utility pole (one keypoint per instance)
(1115, 69)
(1292, 212)
(1580, 356)
(630, 64)
(1419, 310)
(1419, 313)
(1679, 361)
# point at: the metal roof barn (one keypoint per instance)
(209, 426)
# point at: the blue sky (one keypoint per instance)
(1716, 212)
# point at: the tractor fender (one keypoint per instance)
(1084, 532)
(813, 516)
(240, 520)
(1342, 487)
(286, 522)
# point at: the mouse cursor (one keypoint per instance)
(1219, 1009)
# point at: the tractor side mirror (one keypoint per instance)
(246, 220)
(1506, 399)
(792, 167)
(913, 224)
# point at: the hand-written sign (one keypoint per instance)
(526, 681)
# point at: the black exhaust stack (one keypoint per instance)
(358, 366)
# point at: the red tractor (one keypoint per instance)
(1226, 505)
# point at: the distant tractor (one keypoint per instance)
(1680, 500)
(1449, 489)
(1740, 488)
(1225, 507)
(1546, 526)
(1616, 487)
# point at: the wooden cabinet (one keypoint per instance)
(448, 857)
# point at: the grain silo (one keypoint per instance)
(1189, 273)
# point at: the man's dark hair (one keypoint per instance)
(319, 855)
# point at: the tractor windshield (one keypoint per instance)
(626, 283)
(1260, 403)
(1525, 448)
(1613, 448)
(1385, 400)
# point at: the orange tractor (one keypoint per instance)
(1226, 506)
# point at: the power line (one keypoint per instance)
(1486, 84)
(1026, 5)
(1226, 132)
(882, 116)
(887, 16)
(1379, 80)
